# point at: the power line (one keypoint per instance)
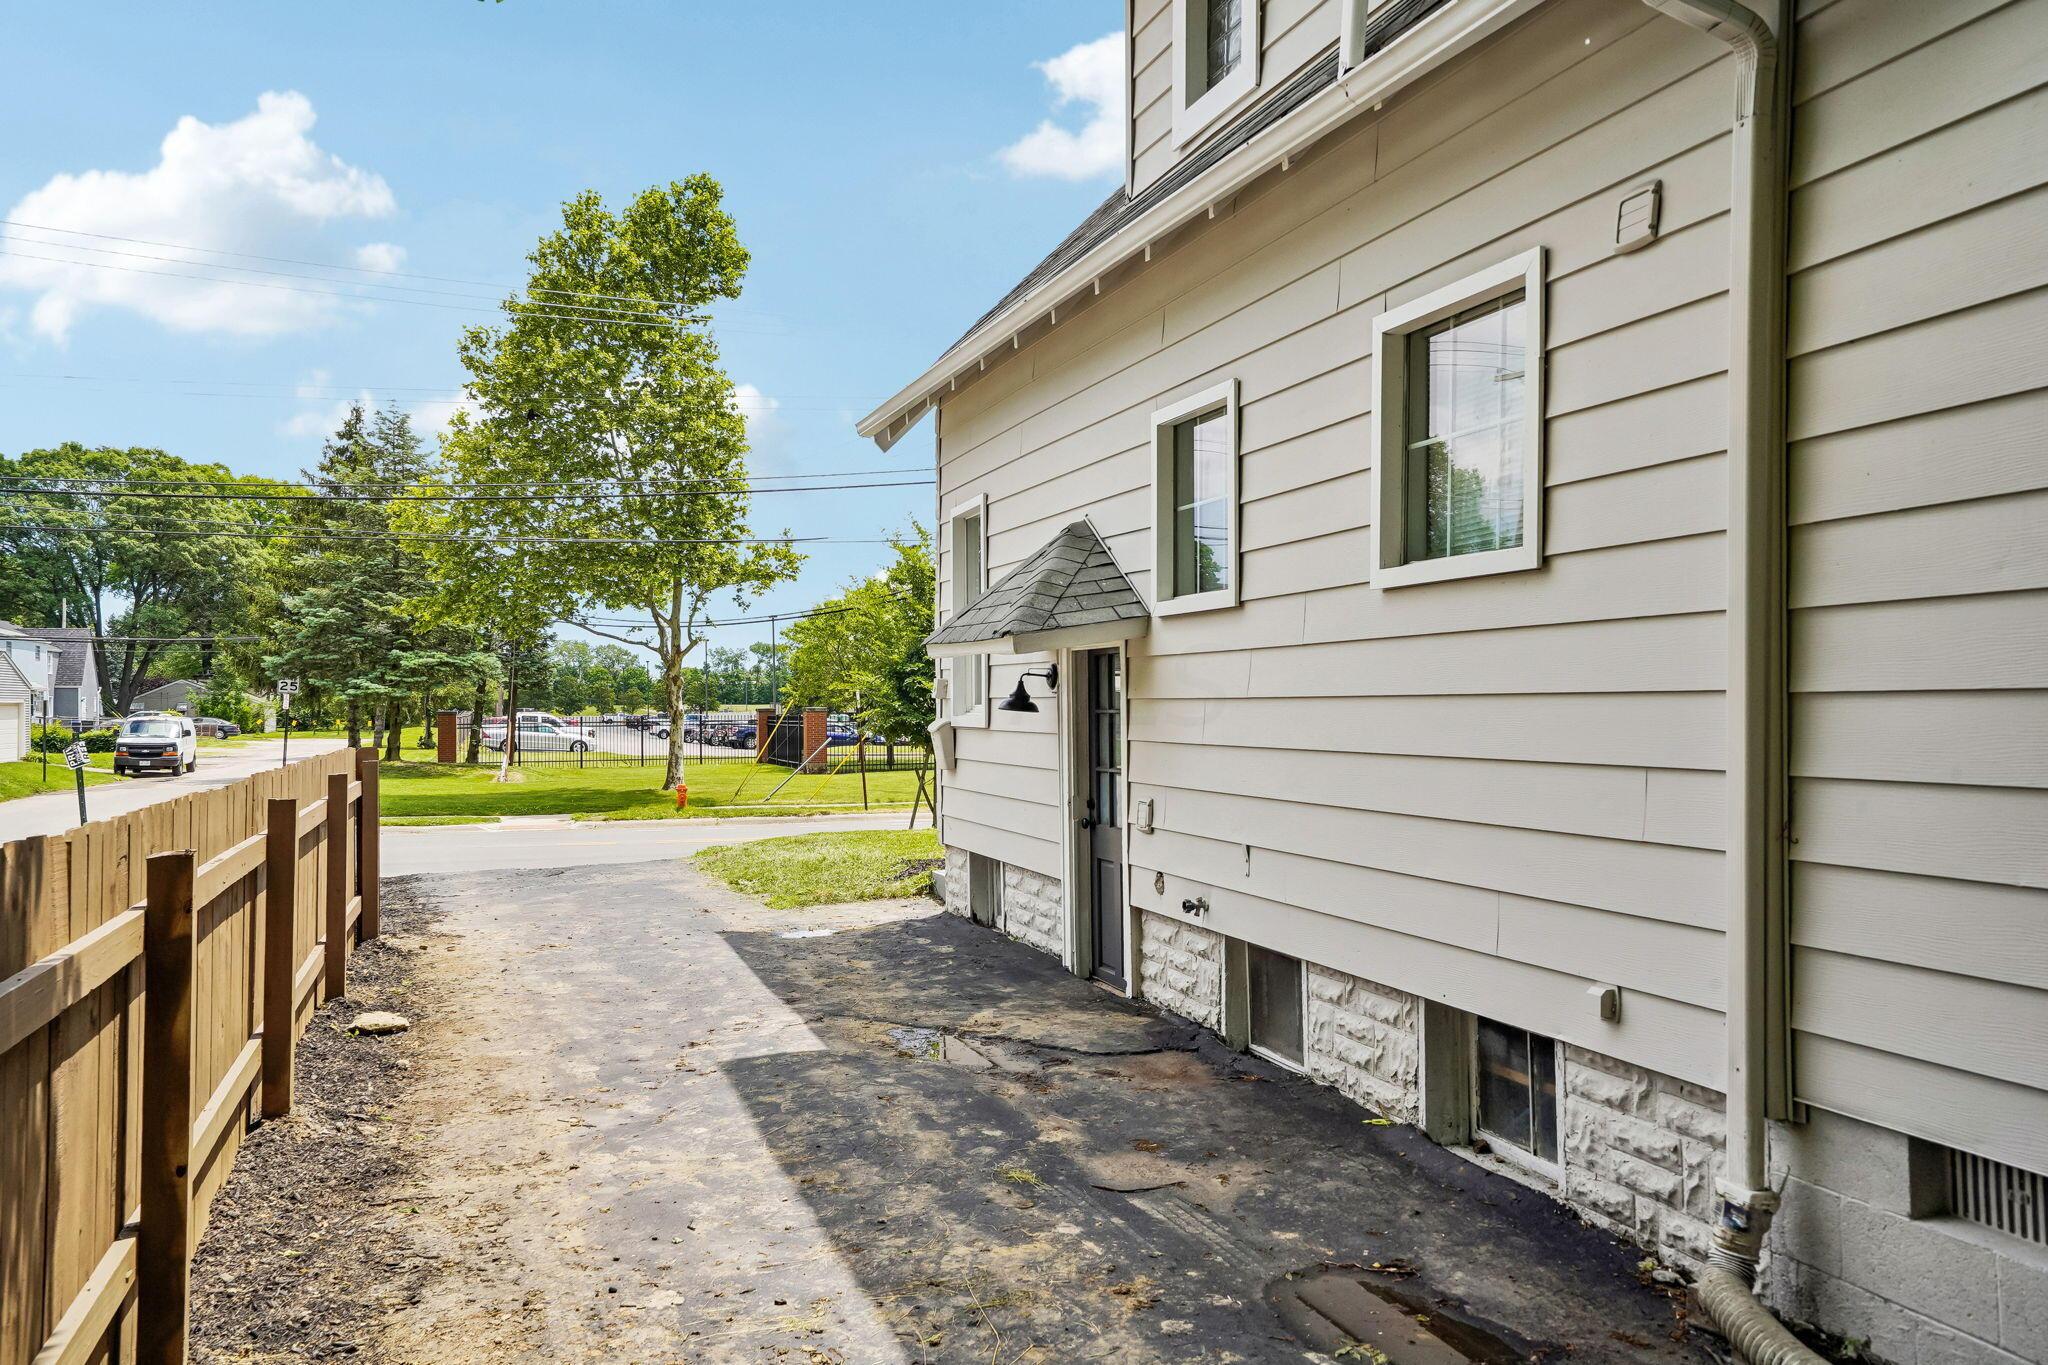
(821, 402)
(293, 260)
(558, 496)
(116, 481)
(559, 313)
(189, 531)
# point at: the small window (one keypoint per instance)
(1195, 481)
(1458, 470)
(1216, 61)
(1276, 1004)
(967, 579)
(1517, 1089)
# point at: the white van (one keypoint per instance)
(156, 741)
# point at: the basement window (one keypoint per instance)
(1276, 1005)
(1515, 1077)
(1458, 470)
(1216, 61)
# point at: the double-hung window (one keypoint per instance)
(1458, 469)
(1216, 61)
(1195, 522)
(967, 579)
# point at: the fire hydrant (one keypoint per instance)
(682, 795)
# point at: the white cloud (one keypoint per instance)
(1091, 75)
(433, 416)
(258, 184)
(380, 256)
(325, 413)
(754, 404)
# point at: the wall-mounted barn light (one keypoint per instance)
(1020, 700)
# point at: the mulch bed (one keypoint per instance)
(304, 1255)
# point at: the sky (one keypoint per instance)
(893, 169)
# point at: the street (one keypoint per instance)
(558, 841)
(56, 812)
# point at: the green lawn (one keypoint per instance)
(825, 869)
(25, 778)
(416, 789)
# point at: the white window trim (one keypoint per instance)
(1196, 104)
(1390, 566)
(978, 716)
(1507, 1149)
(1224, 397)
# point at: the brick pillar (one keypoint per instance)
(764, 724)
(814, 739)
(444, 737)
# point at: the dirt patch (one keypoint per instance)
(304, 1255)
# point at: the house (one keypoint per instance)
(176, 695)
(74, 673)
(31, 658)
(19, 706)
(1581, 461)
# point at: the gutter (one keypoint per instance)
(1758, 1073)
(1450, 31)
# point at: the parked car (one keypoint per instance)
(159, 742)
(535, 736)
(216, 726)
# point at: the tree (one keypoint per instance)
(118, 539)
(345, 611)
(863, 651)
(626, 429)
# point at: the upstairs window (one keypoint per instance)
(1458, 470)
(1196, 515)
(967, 579)
(1216, 61)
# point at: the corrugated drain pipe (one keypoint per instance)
(1756, 478)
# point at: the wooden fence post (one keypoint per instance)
(369, 838)
(337, 885)
(280, 952)
(163, 1248)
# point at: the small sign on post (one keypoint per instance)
(286, 688)
(75, 759)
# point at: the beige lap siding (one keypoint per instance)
(1497, 791)
(1919, 572)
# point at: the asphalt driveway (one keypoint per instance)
(643, 1118)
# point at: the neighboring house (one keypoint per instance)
(1573, 583)
(177, 695)
(19, 706)
(75, 673)
(31, 657)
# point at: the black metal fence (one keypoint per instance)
(716, 737)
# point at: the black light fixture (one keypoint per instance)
(1020, 700)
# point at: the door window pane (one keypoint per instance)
(1201, 504)
(1469, 384)
(1518, 1088)
(1276, 1002)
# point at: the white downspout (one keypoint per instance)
(1756, 657)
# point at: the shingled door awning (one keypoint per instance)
(1069, 595)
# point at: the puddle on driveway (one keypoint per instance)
(1367, 1315)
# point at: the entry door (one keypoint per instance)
(1102, 815)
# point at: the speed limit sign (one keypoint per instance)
(287, 686)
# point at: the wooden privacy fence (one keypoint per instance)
(155, 972)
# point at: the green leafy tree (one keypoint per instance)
(863, 651)
(120, 541)
(628, 424)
